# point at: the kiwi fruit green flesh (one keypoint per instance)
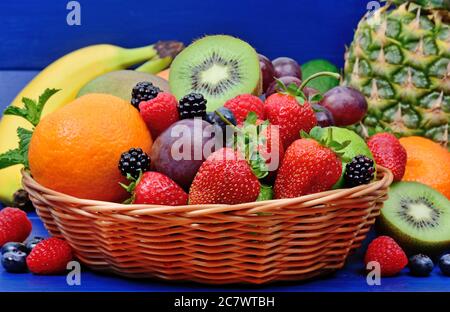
(417, 217)
(121, 82)
(219, 67)
(356, 147)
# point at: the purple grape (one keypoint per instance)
(285, 66)
(164, 159)
(347, 105)
(323, 115)
(268, 72)
(273, 88)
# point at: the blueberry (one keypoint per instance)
(33, 242)
(214, 119)
(420, 265)
(444, 264)
(14, 246)
(15, 261)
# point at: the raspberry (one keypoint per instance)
(359, 171)
(143, 91)
(159, 113)
(388, 254)
(14, 225)
(241, 105)
(191, 106)
(134, 162)
(49, 257)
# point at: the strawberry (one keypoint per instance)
(50, 256)
(14, 225)
(154, 188)
(388, 152)
(388, 254)
(224, 178)
(269, 144)
(308, 167)
(243, 104)
(159, 113)
(291, 113)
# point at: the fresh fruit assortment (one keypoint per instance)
(37, 255)
(232, 127)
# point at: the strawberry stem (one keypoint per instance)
(317, 75)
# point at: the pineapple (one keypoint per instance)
(400, 60)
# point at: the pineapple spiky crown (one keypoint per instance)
(428, 4)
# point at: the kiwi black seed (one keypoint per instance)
(219, 67)
(417, 217)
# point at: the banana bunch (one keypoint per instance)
(70, 73)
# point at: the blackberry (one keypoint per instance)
(192, 105)
(359, 171)
(134, 162)
(143, 91)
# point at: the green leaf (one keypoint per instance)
(11, 158)
(265, 193)
(24, 144)
(16, 111)
(316, 133)
(31, 111)
(44, 97)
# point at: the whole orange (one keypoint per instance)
(428, 163)
(76, 149)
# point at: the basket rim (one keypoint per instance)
(384, 179)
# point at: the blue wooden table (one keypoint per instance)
(33, 33)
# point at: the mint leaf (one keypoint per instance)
(44, 97)
(10, 158)
(31, 111)
(24, 144)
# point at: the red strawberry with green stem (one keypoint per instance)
(291, 110)
(309, 166)
(154, 188)
(388, 152)
(224, 178)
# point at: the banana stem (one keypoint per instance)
(316, 75)
(155, 65)
(137, 55)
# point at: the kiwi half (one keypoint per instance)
(417, 217)
(219, 67)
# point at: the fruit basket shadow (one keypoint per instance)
(251, 243)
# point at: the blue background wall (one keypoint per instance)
(34, 32)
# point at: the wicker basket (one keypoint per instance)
(258, 242)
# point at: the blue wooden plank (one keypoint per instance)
(349, 279)
(33, 33)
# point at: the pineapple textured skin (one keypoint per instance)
(400, 60)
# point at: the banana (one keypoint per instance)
(70, 73)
